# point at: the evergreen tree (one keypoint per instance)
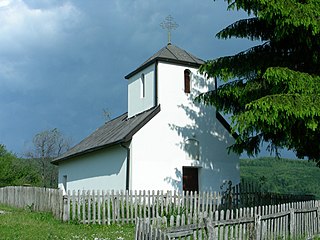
(272, 90)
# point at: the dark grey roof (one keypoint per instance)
(116, 131)
(172, 54)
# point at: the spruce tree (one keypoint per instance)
(272, 90)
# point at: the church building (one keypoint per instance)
(165, 141)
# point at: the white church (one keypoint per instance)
(165, 141)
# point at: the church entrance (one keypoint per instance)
(190, 179)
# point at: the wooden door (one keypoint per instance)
(190, 179)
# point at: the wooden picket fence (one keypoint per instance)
(35, 198)
(285, 221)
(108, 207)
(163, 215)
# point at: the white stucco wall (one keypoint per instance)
(158, 149)
(136, 103)
(103, 169)
(158, 152)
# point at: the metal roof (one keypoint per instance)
(116, 131)
(172, 54)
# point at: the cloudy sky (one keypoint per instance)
(62, 63)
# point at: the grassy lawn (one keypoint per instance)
(24, 224)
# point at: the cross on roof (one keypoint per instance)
(169, 24)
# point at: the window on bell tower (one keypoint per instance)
(142, 86)
(187, 74)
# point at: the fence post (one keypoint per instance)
(65, 216)
(318, 217)
(257, 223)
(209, 227)
(292, 223)
(137, 230)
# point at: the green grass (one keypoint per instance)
(24, 224)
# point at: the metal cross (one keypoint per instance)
(169, 24)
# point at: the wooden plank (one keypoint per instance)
(89, 207)
(178, 202)
(161, 204)
(84, 206)
(74, 204)
(281, 230)
(122, 203)
(250, 225)
(113, 206)
(195, 205)
(317, 220)
(214, 202)
(207, 203)
(99, 207)
(221, 227)
(257, 223)
(108, 199)
(144, 196)
(191, 202)
(272, 223)
(66, 208)
(127, 206)
(136, 204)
(241, 226)
(171, 224)
(232, 227)
(227, 228)
(137, 232)
(152, 206)
(131, 201)
(94, 208)
(298, 221)
(139, 203)
(285, 226)
(79, 205)
(103, 207)
(167, 203)
(183, 202)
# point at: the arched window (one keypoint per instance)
(142, 86)
(187, 74)
(192, 149)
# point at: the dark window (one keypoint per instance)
(142, 86)
(65, 182)
(187, 81)
(190, 179)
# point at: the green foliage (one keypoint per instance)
(15, 171)
(272, 90)
(283, 176)
(23, 224)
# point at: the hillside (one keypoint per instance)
(282, 175)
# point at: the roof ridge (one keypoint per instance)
(171, 54)
(171, 51)
(194, 58)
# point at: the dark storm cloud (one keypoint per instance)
(63, 62)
